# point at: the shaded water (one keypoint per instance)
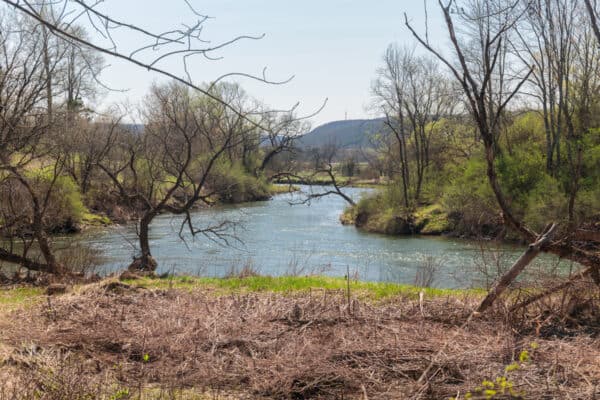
(278, 238)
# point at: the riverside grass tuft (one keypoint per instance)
(293, 284)
(14, 297)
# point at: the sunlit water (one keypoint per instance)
(276, 238)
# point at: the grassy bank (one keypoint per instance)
(323, 179)
(298, 284)
(15, 297)
(275, 189)
(12, 298)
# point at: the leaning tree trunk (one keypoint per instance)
(52, 265)
(530, 254)
(31, 265)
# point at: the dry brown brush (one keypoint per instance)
(263, 345)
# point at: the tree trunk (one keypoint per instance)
(144, 262)
(53, 266)
(23, 261)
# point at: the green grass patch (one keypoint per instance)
(16, 297)
(294, 284)
(12, 298)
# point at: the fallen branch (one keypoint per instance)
(532, 251)
(587, 235)
(546, 293)
(23, 261)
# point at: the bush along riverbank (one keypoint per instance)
(289, 337)
(454, 212)
(428, 220)
(72, 211)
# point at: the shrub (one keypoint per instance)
(469, 201)
(233, 184)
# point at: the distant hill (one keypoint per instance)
(345, 134)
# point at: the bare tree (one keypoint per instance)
(145, 175)
(489, 89)
(324, 165)
(413, 96)
(152, 49)
(24, 131)
(592, 9)
(545, 37)
(168, 166)
(279, 140)
(85, 143)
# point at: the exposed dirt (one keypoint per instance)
(263, 345)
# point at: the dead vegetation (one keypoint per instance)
(113, 340)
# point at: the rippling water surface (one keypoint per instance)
(277, 238)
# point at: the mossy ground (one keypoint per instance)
(282, 189)
(432, 220)
(92, 219)
(427, 220)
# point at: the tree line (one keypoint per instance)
(61, 158)
(501, 129)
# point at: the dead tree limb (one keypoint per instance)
(530, 254)
(577, 278)
(23, 261)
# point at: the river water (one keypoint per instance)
(277, 238)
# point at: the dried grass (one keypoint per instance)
(264, 345)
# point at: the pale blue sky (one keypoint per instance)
(333, 47)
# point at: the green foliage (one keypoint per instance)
(69, 199)
(233, 184)
(545, 202)
(469, 201)
(120, 394)
(520, 173)
(526, 131)
(502, 387)
(65, 206)
(457, 180)
(382, 213)
(290, 284)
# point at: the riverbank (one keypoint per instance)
(325, 180)
(121, 215)
(427, 220)
(293, 337)
(369, 215)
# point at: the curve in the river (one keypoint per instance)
(277, 238)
